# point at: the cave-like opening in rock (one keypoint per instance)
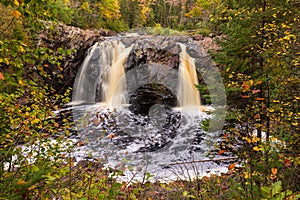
(144, 97)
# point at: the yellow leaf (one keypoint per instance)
(246, 175)
(6, 61)
(295, 123)
(20, 82)
(32, 187)
(16, 14)
(256, 148)
(185, 193)
(85, 6)
(16, 3)
(22, 49)
(271, 110)
(20, 182)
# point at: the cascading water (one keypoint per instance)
(106, 60)
(117, 83)
(103, 71)
(188, 95)
(118, 134)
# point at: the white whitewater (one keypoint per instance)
(119, 137)
(188, 95)
(117, 82)
(79, 92)
(103, 71)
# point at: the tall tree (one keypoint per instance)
(260, 61)
(131, 13)
(263, 46)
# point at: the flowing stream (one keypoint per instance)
(113, 133)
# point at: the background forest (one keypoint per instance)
(260, 64)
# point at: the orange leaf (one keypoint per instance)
(80, 143)
(96, 122)
(257, 116)
(20, 182)
(245, 97)
(221, 152)
(111, 136)
(1, 76)
(255, 91)
(258, 82)
(281, 155)
(274, 171)
(56, 124)
(245, 86)
(16, 14)
(231, 166)
(259, 99)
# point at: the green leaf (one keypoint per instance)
(266, 192)
(50, 178)
(276, 187)
(185, 193)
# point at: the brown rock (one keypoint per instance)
(197, 37)
(56, 36)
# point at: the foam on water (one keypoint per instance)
(120, 138)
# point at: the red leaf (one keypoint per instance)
(287, 162)
(1, 76)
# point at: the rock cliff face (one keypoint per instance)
(69, 38)
(79, 41)
(161, 55)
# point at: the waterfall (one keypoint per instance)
(117, 82)
(82, 90)
(154, 133)
(188, 95)
(102, 74)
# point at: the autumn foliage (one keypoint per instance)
(259, 60)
